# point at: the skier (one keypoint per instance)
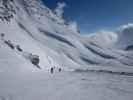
(52, 70)
(59, 69)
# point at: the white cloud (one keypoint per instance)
(129, 25)
(125, 35)
(59, 10)
(73, 26)
(104, 37)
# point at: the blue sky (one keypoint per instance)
(95, 15)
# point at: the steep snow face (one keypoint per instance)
(13, 61)
(39, 35)
(37, 9)
(40, 31)
(125, 36)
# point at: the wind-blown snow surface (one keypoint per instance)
(39, 31)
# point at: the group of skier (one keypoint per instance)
(53, 68)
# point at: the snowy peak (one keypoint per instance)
(37, 9)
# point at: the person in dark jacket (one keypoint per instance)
(52, 70)
(60, 70)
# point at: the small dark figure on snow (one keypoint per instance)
(52, 70)
(9, 44)
(2, 36)
(18, 48)
(59, 69)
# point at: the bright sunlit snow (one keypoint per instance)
(93, 67)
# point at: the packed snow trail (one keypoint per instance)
(65, 86)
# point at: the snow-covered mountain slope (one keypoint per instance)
(39, 31)
(97, 67)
